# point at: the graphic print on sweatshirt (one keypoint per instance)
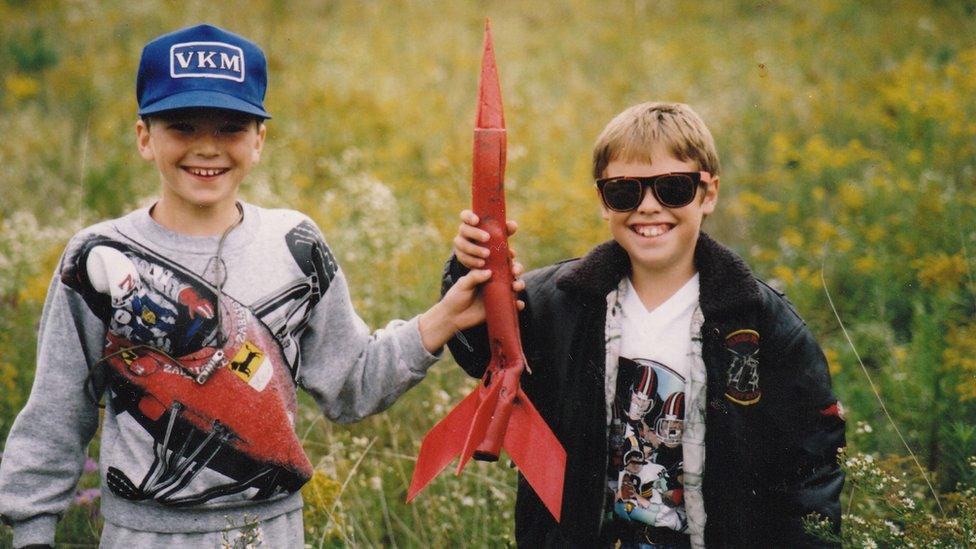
(285, 312)
(646, 463)
(218, 419)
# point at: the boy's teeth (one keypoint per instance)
(205, 172)
(652, 230)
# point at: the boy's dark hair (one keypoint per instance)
(249, 118)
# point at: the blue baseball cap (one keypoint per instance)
(204, 67)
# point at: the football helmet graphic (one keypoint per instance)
(671, 422)
(633, 451)
(643, 392)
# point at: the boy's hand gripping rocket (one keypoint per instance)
(497, 414)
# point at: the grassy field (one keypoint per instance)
(847, 132)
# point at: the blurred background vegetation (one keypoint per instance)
(847, 132)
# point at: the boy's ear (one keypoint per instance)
(142, 140)
(603, 207)
(259, 142)
(710, 198)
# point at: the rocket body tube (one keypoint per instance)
(497, 414)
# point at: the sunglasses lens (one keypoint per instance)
(675, 191)
(622, 194)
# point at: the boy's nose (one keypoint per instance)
(649, 203)
(206, 145)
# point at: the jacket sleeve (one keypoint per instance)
(805, 473)
(351, 372)
(45, 450)
(468, 347)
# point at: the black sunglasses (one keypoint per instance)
(671, 190)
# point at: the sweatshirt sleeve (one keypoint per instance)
(351, 372)
(45, 450)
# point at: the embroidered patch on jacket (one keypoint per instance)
(742, 385)
(836, 410)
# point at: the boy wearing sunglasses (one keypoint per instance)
(739, 441)
(200, 317)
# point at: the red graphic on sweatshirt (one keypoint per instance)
(238, 421)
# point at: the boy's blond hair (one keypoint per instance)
(636, 133)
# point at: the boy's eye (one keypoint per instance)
(182, 127)
(231, 128)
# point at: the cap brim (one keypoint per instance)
(202, 99)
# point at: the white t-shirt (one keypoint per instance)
(663, 334)
(649, 408)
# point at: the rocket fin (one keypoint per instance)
(537, 453)
(479, 425)
(442, 443)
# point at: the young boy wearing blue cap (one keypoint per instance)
(200, 315)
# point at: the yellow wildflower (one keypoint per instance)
(817, 154)
(833, 361)
(35, 290)
(865, 265)
(792, 237)
(8, 380)
(320, 494)
(808, 276)
(301, 181)
(906, 245)
(823, 230)
(783, 151)
(843, 244)
(960, 356)
(940, 271)
(21, 86)
(793, 212)
(874, 233)
(785, 274)
(851, 196)
(758, 203)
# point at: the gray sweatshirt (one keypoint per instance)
(198, 358)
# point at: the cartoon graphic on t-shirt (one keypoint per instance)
(645, 472)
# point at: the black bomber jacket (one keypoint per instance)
(768, 462)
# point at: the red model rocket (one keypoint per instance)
(497, 414)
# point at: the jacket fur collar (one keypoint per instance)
(727, 285)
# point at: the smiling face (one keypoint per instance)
(202, 156)
(660, 240)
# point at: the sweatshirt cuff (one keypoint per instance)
(415, 348)
(39, 530)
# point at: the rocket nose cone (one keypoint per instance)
(490, 113)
